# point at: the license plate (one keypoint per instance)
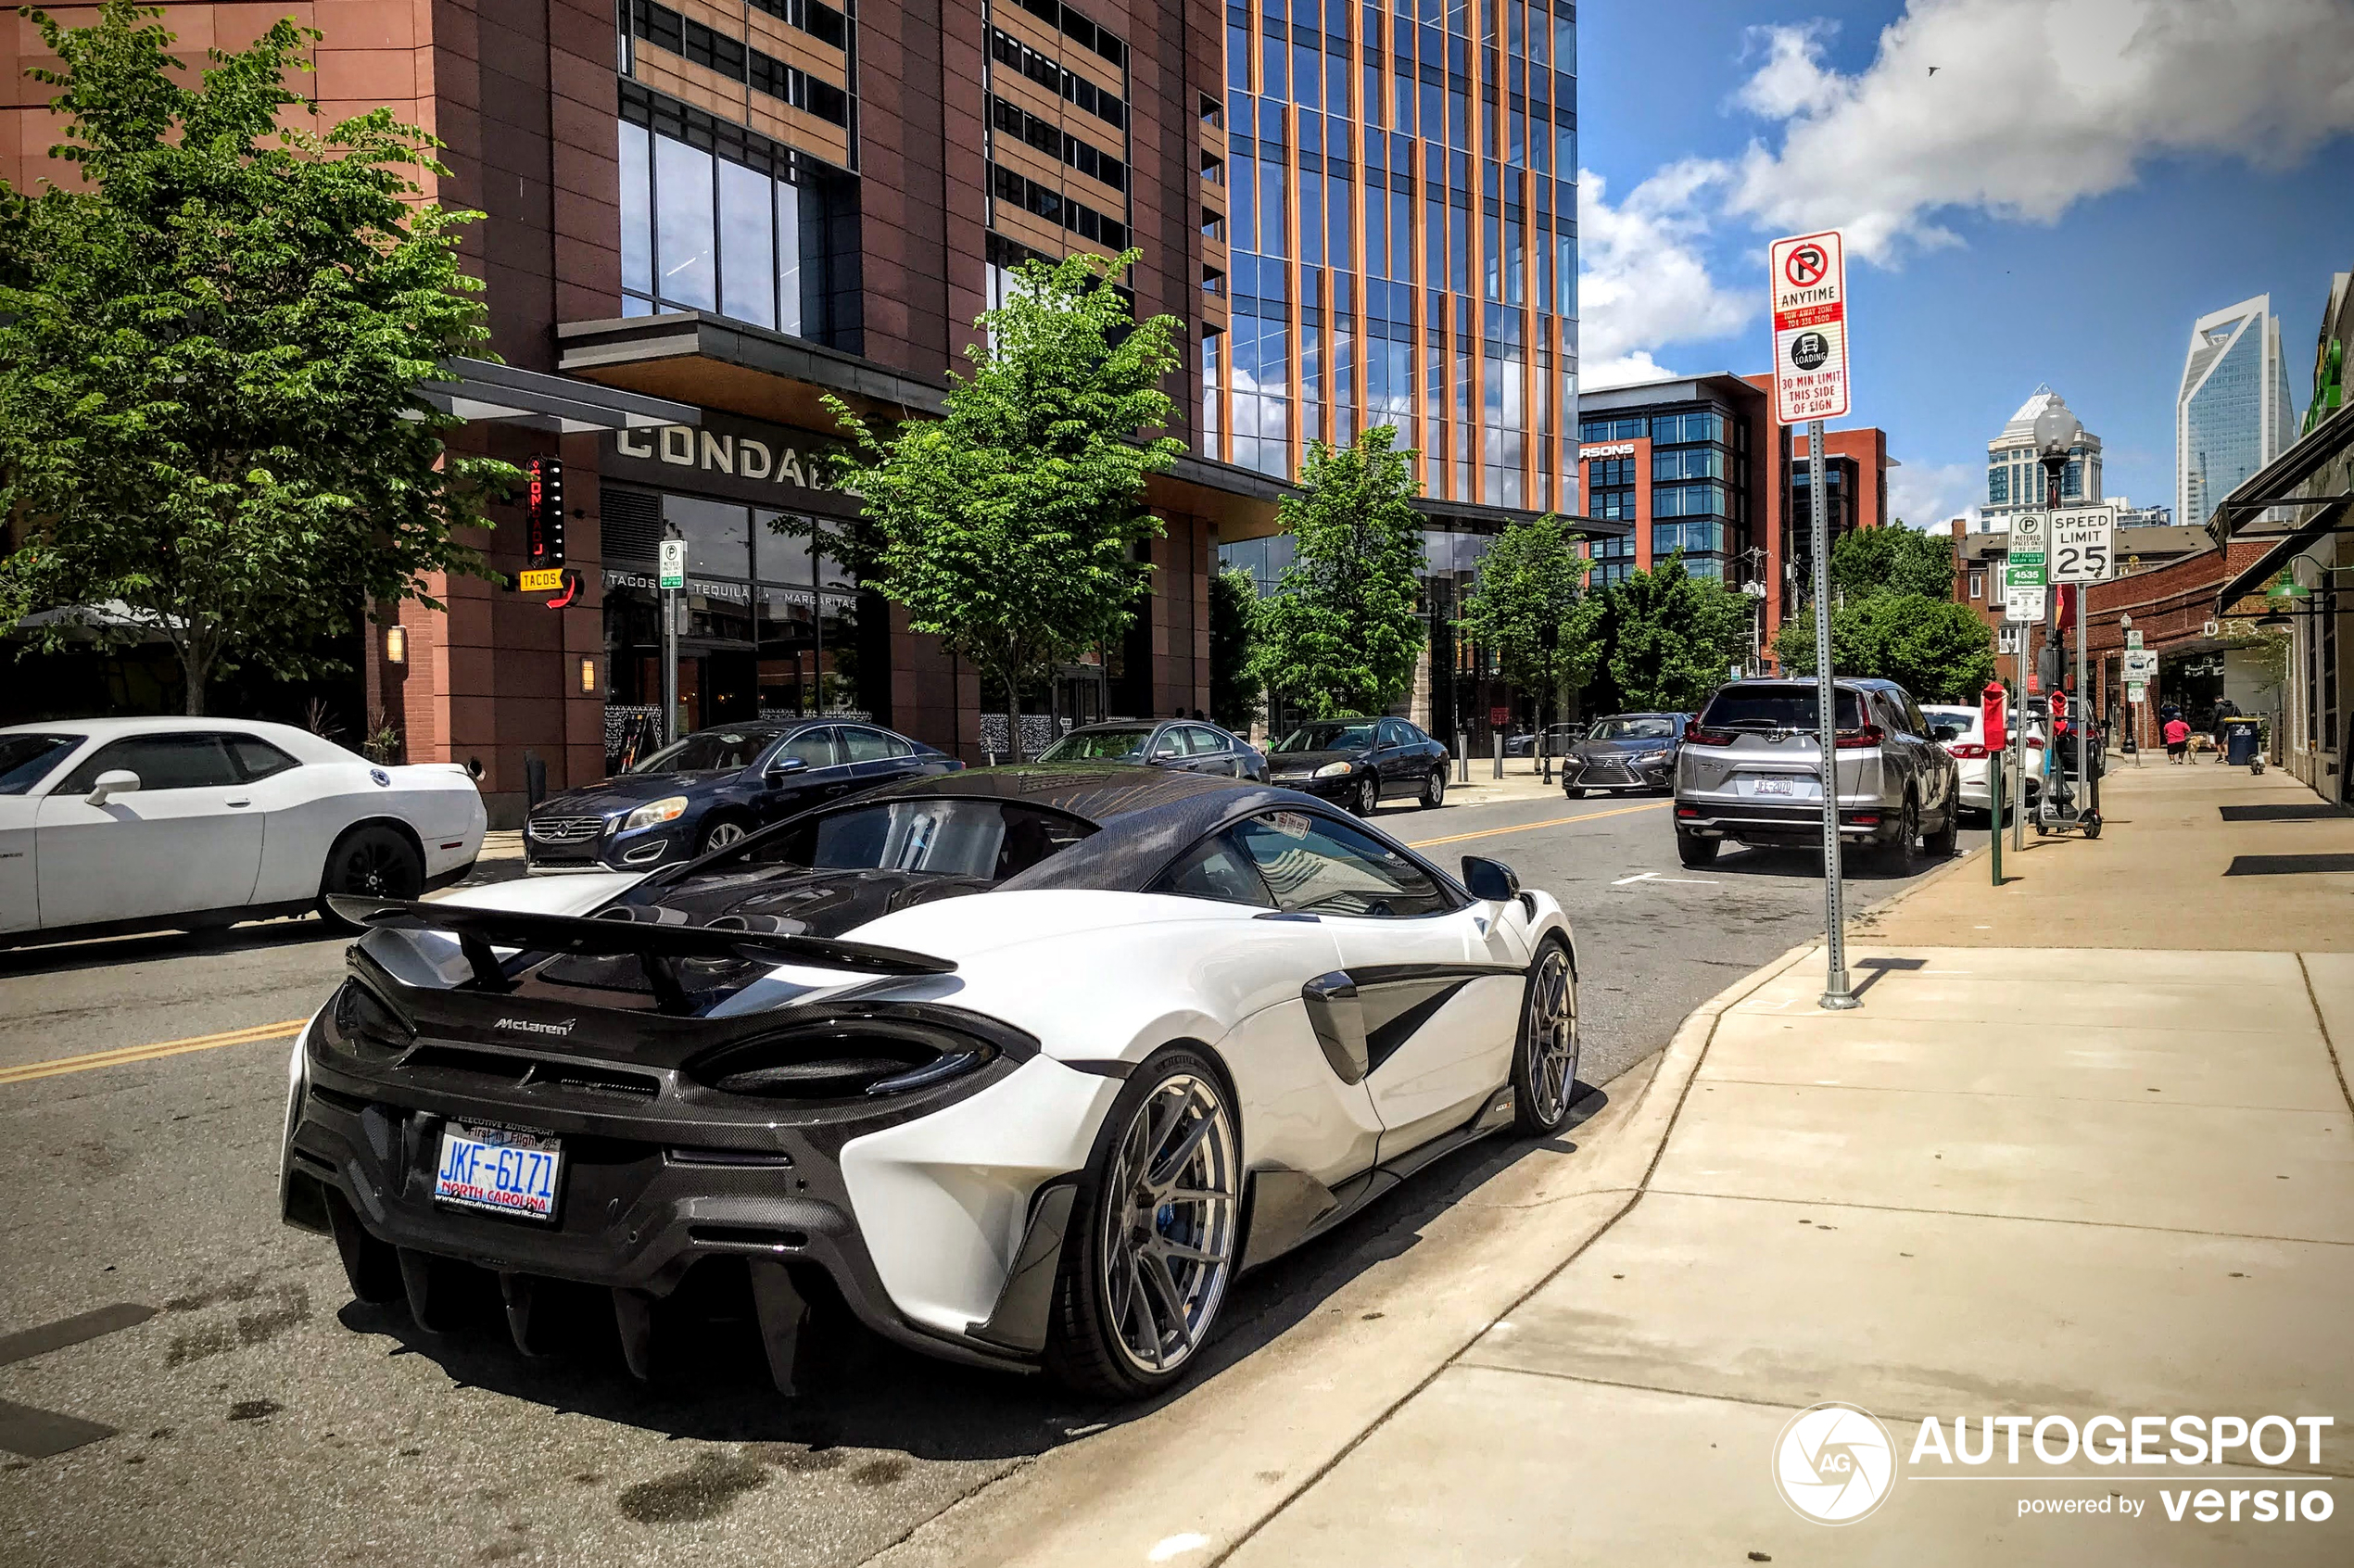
(1773, 787)
(501, 1170)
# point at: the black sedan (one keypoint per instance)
(707, 790)
(1625, 751)
(1178, 745)
(1361, 763)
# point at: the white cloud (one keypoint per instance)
(1643, 281)
(2036, 105)
(1930, 495)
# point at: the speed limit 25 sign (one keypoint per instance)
(2082, 548)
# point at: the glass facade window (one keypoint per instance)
(2222, 425)
(720, 229)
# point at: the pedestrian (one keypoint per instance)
(2178, 738)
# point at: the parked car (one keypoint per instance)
(1624, 752)
(123, 824)
(1361, 763)
(1184, 745)
(1559, 738)
(1751, 769)
(705, 790)
(1967, 745)
(974, 1054)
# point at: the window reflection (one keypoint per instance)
(686, 269)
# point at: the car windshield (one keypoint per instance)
(1098, 745)
(1634, 727)
(1330, 736)
(706, 750)
(25, 760)
(1775, 707)
(989, 840)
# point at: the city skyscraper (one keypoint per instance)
(2234, 413)
(1399, 223)
(2015, 479)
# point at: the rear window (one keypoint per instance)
(989, 840)
(1775, 707)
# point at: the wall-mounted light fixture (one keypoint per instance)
(396, 645)
(589, 677)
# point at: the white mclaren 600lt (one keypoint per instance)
(1021, 1066)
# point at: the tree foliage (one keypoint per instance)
(209, 352)
(1665, 638)
(1236, 696)
(1937, 650)
(1009, 529)
(1529, 609)
(1342, 633)
(1892, 560)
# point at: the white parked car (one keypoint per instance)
(1969, 748)
(119, 824)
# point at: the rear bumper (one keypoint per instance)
(647, 1196)
(1753, 822)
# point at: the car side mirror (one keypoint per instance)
(113, 783)
(1943, 732)
(1490, 881)
(784, 766)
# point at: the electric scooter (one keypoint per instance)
(2057, 811)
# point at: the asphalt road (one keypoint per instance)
(262, 1417)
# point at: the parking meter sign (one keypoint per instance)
(674, 564)
(2030, 536)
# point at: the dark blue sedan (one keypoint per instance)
(708, 790)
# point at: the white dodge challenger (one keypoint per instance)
(1017, 1066)
(126, 823)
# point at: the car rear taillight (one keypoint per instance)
(1695, 736)
(1968, 751)
(2036, 741)
(1686, 811)
(1849, 740)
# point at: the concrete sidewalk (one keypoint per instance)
(2114, 1177)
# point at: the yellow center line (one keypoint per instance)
(128, 1054)
(1526, 827)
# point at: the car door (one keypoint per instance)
(1166, 749)
(1434, 1005)
(26, 758)
(821, 777)
(187, 839)
(875, 757)
(1941, 774)
(1211, 751)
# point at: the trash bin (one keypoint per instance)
(2239, 740)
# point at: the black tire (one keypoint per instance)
(1368, 798)
(371, 860)
(2091, 825)
(719, 832)
(1941, 843)
(1545, 1054)
(1435, 789)
(1093, 1338)
(1900, 856)
(1571, 792)
(1693, 850)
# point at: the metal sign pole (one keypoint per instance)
(672, 580)
(2083, 708)
(2019, 750)
(1836, 994)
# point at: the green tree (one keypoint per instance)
(1937, 650)
(1891, 560)
(209, 352)
(1529, 610)
(1235, 697)
(1010, 527)
(1668, 638)
(1341, 633)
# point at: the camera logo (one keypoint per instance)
(1834, 1463)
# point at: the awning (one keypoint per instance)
(478, 389)
(2264, 568)
(2269, 485)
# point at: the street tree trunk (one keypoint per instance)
(196, 669)
(1013, 717)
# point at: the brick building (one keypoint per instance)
(702, 218)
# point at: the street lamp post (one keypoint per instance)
(2056, 433)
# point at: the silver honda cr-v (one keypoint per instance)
(1750, 769)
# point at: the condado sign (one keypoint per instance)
(736, 459)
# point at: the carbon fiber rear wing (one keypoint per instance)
(480, 931)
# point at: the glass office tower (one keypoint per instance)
(2234, 413)
(1401, 211)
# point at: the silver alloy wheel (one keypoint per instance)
(1170, 1208)
(719, 835)
(1434, 792)
(1369, 794)
(1552, 1036)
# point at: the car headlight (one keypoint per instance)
(1330, 770)
(653, 812)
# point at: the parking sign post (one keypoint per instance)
(1807, 283)
(673, 564)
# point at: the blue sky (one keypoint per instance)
(2079, 181)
